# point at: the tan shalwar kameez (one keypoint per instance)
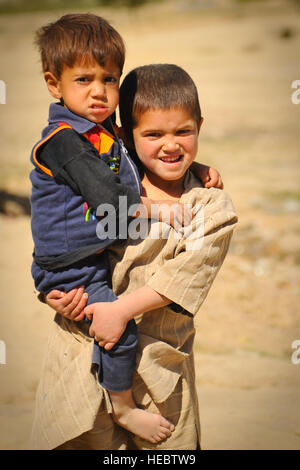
(72, 410)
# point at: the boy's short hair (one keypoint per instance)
(156, 86)
(79, 37)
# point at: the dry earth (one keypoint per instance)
(244, 61)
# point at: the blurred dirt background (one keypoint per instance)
(243, 57)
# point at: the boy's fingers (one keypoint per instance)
(215, 183)
(55, 294)
(71, 301)
(212, 178)
(78, 295)
(89, 310)
(68, 298)
(80, 305)
(209, 184)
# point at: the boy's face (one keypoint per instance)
(91, 91)
(166, 141)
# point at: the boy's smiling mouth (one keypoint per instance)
(173, 159)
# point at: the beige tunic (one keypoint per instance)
(181, 267)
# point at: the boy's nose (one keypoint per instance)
(170, 145)
(99, 90)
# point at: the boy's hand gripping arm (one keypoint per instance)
(210, 177)
(110, 318)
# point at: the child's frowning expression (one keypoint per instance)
(166, 141)
(89, 90)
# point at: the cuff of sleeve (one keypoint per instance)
(180, 302)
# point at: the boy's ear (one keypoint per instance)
(201, 122)
(53, 85)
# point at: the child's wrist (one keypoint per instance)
(123, 310)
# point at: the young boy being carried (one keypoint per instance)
(81, 163)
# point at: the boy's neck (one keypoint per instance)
(156, 188)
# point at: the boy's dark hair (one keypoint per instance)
(156, 86)
(80, 37)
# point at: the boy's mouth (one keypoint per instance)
(98, 108)
(171, 160)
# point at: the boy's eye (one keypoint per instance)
(110, 79)
(153, 134)
(183, 131)
(82, 79)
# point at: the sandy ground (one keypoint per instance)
(244, 62)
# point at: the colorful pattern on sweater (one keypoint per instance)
(103, 143)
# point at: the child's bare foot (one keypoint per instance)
(149, 426)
